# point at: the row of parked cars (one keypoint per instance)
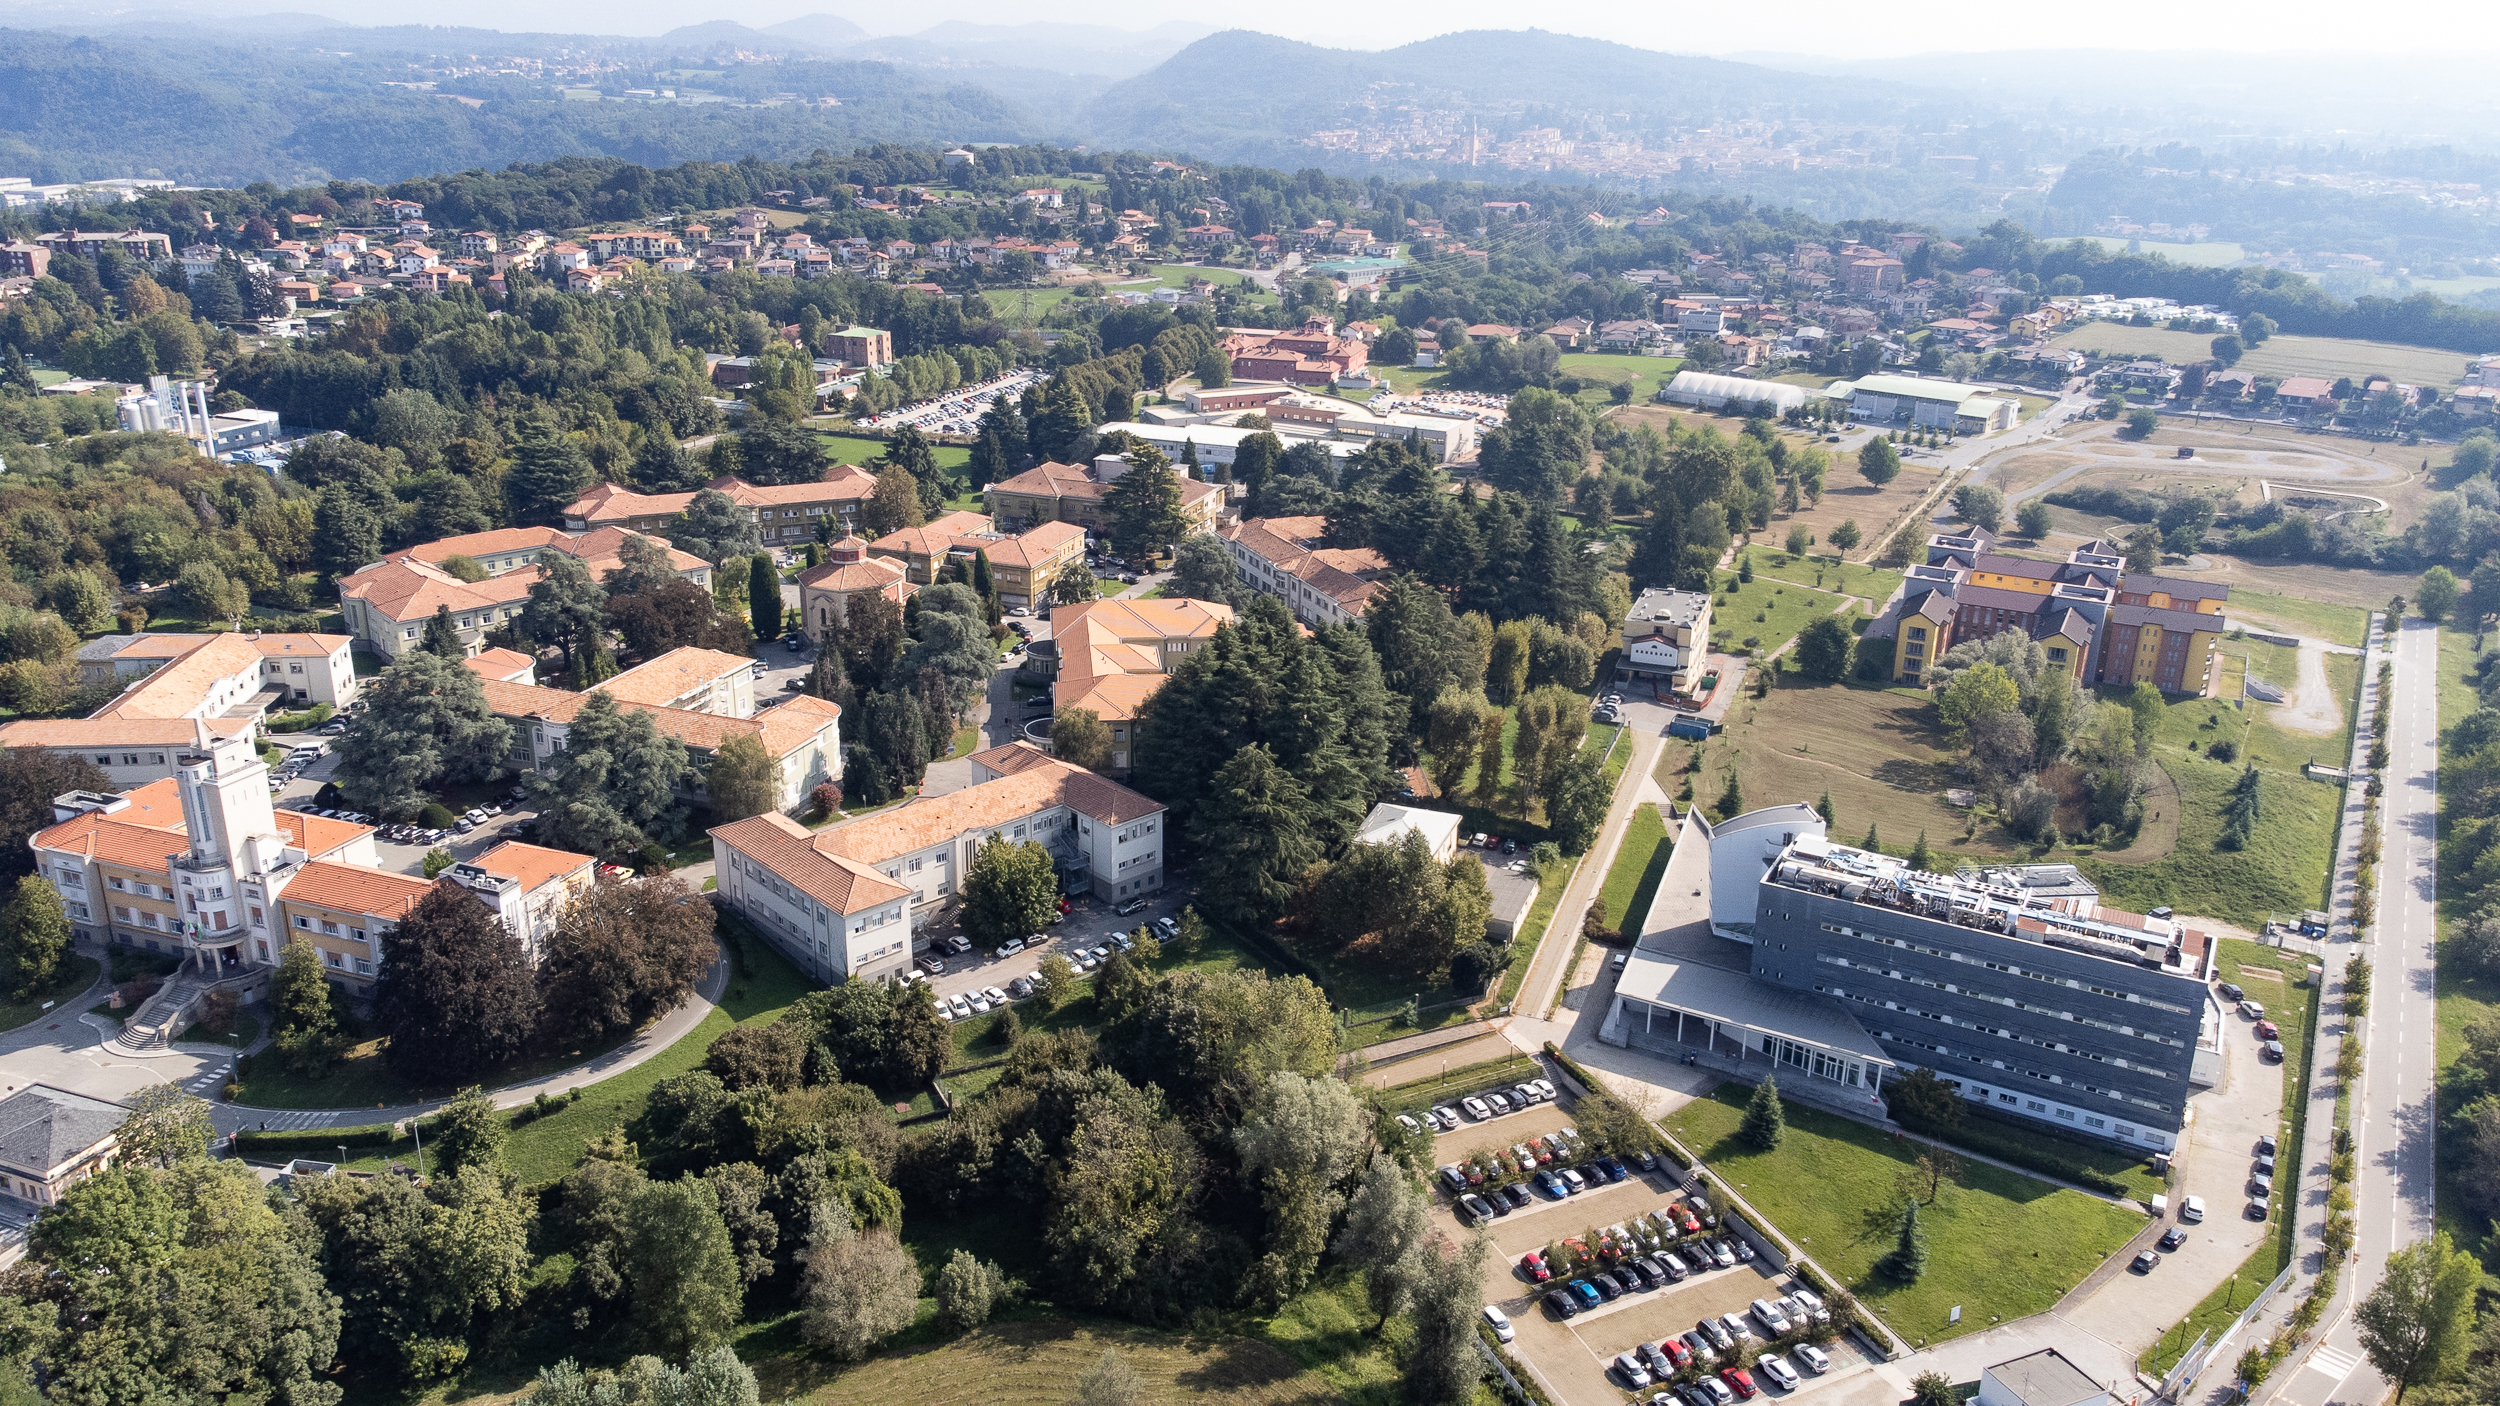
(1479, 1108)
(1733, 1338)
(1667, 1241)
(1493, 1172)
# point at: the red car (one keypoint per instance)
(1684, 1217)
(1739, 1381)
(1676, 1351)
(2268, 1030)
(1533, 1265)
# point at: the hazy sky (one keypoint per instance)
(1836, 28)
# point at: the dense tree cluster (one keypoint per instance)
(2021, 716)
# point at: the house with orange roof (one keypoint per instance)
(695, 680)
(802, 735)
(131, 752)
(786, 515)
(1286, 557)
(1109, 656)
(388, 603)
(504, 665)
(292, 670)
(830, 898)
(1075, 493)
(847, 573)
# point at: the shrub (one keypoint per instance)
(436, 816)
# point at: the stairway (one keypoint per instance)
(152, 1026)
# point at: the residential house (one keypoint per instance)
(52, 1139)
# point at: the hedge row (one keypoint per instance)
(299, 1141)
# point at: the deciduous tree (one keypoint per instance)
(35, 935)
(623, 952)
(456, 995)
(742, 779)
(1010, 890)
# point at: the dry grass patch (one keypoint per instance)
(1040, 1360)
(2277, 356)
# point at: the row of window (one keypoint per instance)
(128, 759)
(1997, 1030)
(2053, 979)
(2114, 1095)
(1992, 998)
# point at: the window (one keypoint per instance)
(336, 961)
(328, 928)
(263, 949)
(113, 883)
(121, 915)
(363, 967)
(130, 759)
(302, 922)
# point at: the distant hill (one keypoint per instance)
(1059, 48)
(84, 107)
(1240, 95)
(830, 33)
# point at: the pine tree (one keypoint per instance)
(1871, 843)
(1908, 1259)
(1823, 808)
(764, 596)
(442, 637)
(985, 584)
(1731, 800)
(1920, 860)
(1765, 1121)
(548, 471)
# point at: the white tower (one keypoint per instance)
(234, 834)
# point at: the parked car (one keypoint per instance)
(1454, 1179)
(1630, 1370)
(1500, 1102)
(2172, 1238)
(1737, 1332)
(1552, 1185)
(2273, 1051)
(1405, 1120)
(2268, 1030)
(1674, 1265)
(2266, 1146)
(1812, 1303)
(1679, 1218)
(959, 1006)
(1011, 945)
(1657, 1359)
(1448, 1116)
(1532, 1264)
(1587, 1293)
(1563, 1302)
(1768, 1314)
(1609, 1288)
(2231, 992)
(1517, 1194)
(1613, 1168)
(996, 996)
(1572, 1179)
(1475, 1108)
(2260, 1207)
(1741, 1246)
(1739, 1381)
(1499, 1322)
(1134, 905)
(1717, 1333)
(2192, 1209)
(2252, 1010)
(1713, 1392)
(1474, 1210)
(1817, 1361)
(1167, 928)
(1699, 1343)
(959, 944)
(1720, 1254)
(1776, 1367)
(2145, 1260)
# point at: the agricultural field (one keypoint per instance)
(2278, 355)
(2216, 255)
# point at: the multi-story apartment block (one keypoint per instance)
(2098, 621)
(388, 603)
(843, 902)
(1282, 557)
(785, 516)
(227, 681)
(1836, 967)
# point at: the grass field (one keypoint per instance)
(75, 976)
(2216, 255)
(859, 449)
(1648, 374)
(2278, 355)
(1876, 751)
(1998, 1243)
(1758, 619)
(2337, 624)
(1639, 864)
(2295, 1009)
(2285, 869)
(1039, 1360)
(1871, 583)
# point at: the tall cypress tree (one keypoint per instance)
(764, 596)
(442, 637)
(1254, 830)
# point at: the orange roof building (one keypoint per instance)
(908, 863)
(786, 515)
(847, 573)
(528, 886)
(388, 603)
(1283, 557)
(1022, 565)
(1112, 655)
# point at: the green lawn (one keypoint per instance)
(1853, 578)
(2295, 1009)
(1783, 610)
(546, 1148)
(75, 976)
(2285, 869)
(2337, 624)
(1999, 1244)
(859, 449)
(1638, 866)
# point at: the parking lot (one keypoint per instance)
(959, 411)
(1089, 923)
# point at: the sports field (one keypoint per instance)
(2329, 357)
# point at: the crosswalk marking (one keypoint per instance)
(2332, 1362)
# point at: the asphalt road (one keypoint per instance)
(2394, 1114)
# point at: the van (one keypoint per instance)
(2192, 1209)
(2160, 1205)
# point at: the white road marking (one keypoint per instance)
(2335, 1364)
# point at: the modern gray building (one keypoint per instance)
(1835, 964)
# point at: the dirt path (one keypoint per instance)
(2311, 708)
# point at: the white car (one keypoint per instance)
(1768, 1314)
(1777, 1369)
(1475, 1109)
(1817, 1361)
(1630, 1369)
(1499, 1322)
(1736, 1329)
(1407, 1121)
(996, 996)
(959, 1007)
(1448, 1116)
(979, 1002)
